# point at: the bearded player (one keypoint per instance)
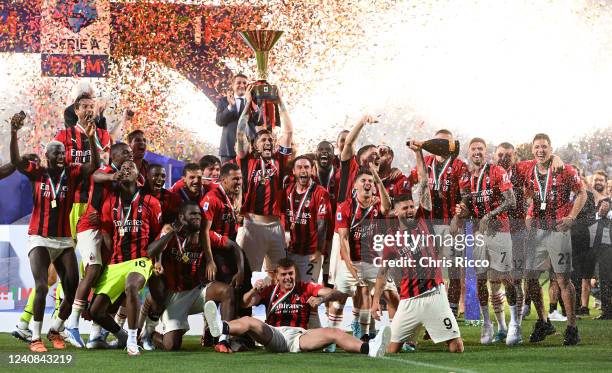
(288, 306)
(263, 170)
(49, 233)
(487, 196)
(184, 264)
(422, 292)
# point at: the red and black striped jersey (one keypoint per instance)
(183, 262)
(552, 195)
(348, 172)
(418, 274)
(484, 192)
(78, 151)
(217, 208)
(289, 308)
(363, 224)
(302, 212)
(186, 195)
(143, 171)
(52, 199)
(262, 183)
(444, 178)
(132, 224)
(97, 194)
(517, 174)
(397, 186)
(330, 180)
(170, 203)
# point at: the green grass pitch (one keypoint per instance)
(593, 354)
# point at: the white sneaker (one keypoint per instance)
(147, 341)
(378, 345)
(23, 334)
(97, 343)
(514, 336)
(133, 350)
(213, 319)
(525, 311)
(486, 334)
(556, 316)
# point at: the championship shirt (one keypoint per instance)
(363, 224)
(97, 194)
(419, 277)
(132, 227)
(217, 208)
(52, 199)
(303, 211)
(262, 183)
(444, 178)
(170, 203)
(552, 195)
(485, 193)
(78, 151)
(289, 308)
(184, 263)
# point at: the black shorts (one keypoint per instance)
(584, 263)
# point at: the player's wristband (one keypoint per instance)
(284, 151)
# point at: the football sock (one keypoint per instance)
(486, 318)
(365, 348)
(36, 328)
(335, 321)
(57, 324)
(497, 300)
(132, 336)
(77, 307)
(120, 316)
(364, 320)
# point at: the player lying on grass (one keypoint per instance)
(288, 306)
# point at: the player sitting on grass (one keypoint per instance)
(288, 306)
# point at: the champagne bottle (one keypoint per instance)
(441, 147)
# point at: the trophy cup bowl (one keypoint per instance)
(261, 42)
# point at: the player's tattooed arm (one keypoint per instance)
(243, 146)
(287, 126)
(385, 200)
(508, 202)
(327, 295)
(381, 279)
(345, 253)
(321, 235)
(423, 185)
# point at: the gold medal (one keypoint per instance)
(185, 258)
(121, 232)
(53, 204)
(543, 206)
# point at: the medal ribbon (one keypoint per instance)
(544, 193)
(438, 178)
(365, 215)
(295, 214)
(227, 200)
(125, 218)
(279, 301)
(55, 190)
(479, 182)
(329, 178)
(181, 245)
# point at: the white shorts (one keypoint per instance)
(367, 272)
(285, 339)
(181, 304)
(88, 245)
(262, 239)
(430, 310)
(497, 250)
(55, 245)
(307, 271)
(334, 259)
(556, 246)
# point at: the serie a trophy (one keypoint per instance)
(265, 95)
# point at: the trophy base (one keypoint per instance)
(263, 91)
